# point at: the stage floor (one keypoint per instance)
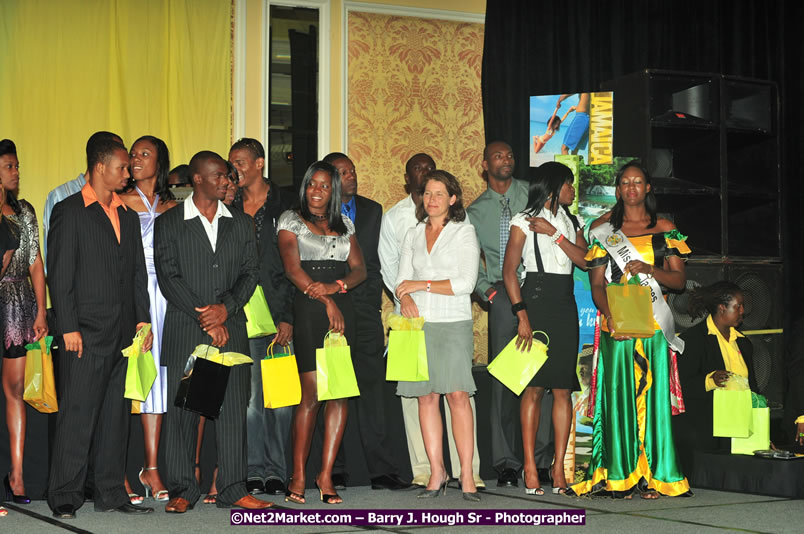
(707, 511)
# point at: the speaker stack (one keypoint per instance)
(711, 144)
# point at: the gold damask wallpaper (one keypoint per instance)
(414, 86)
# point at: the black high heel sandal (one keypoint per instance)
(327, 498)
(292, 496)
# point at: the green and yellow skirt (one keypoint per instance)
(632, 435)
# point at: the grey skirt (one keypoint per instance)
(450, 349)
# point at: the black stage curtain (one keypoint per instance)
(538, 48)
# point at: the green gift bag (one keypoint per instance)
(760, 434)
(514, 368)
(259, 322)
(333, 369)
(141, 370)
(407, 356)
(731, 413)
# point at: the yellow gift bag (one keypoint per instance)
(631, 308)
(334, 371)
(515, 368)
(259, 322)
(280, 378)
(407, 352)
(140, 370)
(40, 385)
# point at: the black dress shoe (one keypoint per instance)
(389, 482)
(255, 486)
(274, 486)
(339, 480)
(507, 479)
(127, 508)
(65, 511)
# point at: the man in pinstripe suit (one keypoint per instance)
(206, 264)
(97, 283)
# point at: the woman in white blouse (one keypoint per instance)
(548, 241)
(437, 273)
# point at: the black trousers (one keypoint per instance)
(93, 415)
(180, 429)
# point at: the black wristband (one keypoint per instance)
(518, 307)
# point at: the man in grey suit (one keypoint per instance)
(206, 263)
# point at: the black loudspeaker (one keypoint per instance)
(762, 286)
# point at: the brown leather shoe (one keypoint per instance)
(250, 502)
(178, 505)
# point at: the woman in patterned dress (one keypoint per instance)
(24, 307)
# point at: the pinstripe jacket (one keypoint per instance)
(191, 276)
(98, 287)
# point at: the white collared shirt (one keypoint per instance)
(554, 260)
(395, 224)
(211, 228)
(454, 257)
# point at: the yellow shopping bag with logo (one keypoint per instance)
(40, 384)
(280, 378)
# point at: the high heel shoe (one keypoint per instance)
(10, 496)
(531, 491)
(292, 496)
(327, 498)
(432, 494)
(159, 496)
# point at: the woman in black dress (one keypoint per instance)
(548, 240)
(323, 260)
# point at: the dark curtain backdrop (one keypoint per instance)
(538, 47)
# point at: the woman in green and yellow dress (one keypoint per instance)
(632, 446)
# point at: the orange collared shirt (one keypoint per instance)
(111, 210)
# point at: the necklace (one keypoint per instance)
(317, 218)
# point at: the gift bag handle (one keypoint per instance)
(269, 353)
(545, 335)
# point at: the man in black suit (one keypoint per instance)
(268, 428)
(98, 289)
(206, 263)
(367, 350)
